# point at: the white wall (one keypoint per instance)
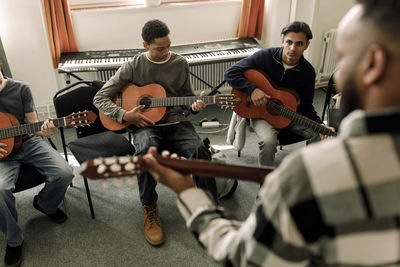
(121, 28)
(25, 43)
(277, 15)
(321, 15)
(326, 16)
(24, 35)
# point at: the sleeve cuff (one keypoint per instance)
(120, 115)
(193, 201)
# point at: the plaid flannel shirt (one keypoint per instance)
(335, 203)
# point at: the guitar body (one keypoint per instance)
(286, 97)
(131, 96)
(8, 120)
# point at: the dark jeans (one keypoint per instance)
(178, 138)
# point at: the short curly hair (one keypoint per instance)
(298, 26)
(154, 29)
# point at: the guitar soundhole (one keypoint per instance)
(146, 101)
(272, 106)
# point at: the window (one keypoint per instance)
(103, 3)
(76, 4)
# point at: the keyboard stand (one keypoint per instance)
(214, 90)
(200, 79)
(68, 77)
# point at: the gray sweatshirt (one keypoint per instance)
(173, 75)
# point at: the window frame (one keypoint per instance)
(88, 4)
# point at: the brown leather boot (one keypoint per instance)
(152, 225)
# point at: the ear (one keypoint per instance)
(145, 45)
(374, 64)
(308, 43)
(282, 40)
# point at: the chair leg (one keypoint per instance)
(89, 197)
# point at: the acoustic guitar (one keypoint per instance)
(11, 131)
(155, 100)
(112, 167)
(280, 110)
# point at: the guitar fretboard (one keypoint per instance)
(22, 129)
(287, 113)
(186, 100)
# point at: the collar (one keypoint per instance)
(158, 62)
(360, 122)
(277, 56)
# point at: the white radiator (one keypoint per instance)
(203, 77)
(45, 111)
(328, 59)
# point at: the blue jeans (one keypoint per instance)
(268, 139)
(36, 152)
(180, 138)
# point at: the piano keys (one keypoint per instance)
(207, 61)
(195, 54)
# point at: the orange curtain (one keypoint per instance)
(251, 19)
(59, 28)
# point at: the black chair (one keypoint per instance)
(333, 114)
(330, 91)
(29, 176)
(286, 137)
(92, 141)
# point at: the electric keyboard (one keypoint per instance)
(195, 54)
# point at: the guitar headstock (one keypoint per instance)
(112, 167)
(227, 100)
(80, 118)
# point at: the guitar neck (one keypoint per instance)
(299, 119)
(28, 128)
(112, 167)
(180, 101)
(212, 169)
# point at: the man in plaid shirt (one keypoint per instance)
(336, 203)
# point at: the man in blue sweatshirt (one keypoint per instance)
(286, 67)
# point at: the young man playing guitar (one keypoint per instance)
(156, 66)
(16, 99)
(286, 67)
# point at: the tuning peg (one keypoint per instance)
(110, 160)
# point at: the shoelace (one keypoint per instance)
(152, 217)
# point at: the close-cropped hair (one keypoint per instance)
(154, 29)
(298, 26)
(384, 14)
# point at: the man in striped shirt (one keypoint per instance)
(336, 203)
